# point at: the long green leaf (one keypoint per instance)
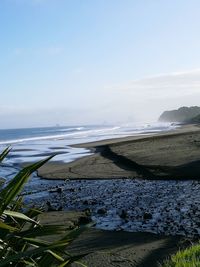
(43, 230)
(64, 264)
(81, 264)
(76, 232)
(29, 263)
(66, 240)
(4, 154)
(25, 246)
(31, 253)
(37, 242)
(19, 215)
(55, 255)
(24, 255)
(15, 186)
(7, 227)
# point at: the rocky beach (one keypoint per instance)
(147, 186)
(138, 184)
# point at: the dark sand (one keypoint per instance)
(171, 155)
(116, 249)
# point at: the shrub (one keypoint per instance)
(189, 257)
(22, 237)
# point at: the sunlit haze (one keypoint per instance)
(92, 62)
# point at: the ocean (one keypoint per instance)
(32, 144)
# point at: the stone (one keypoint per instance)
(84, 219)
(147, 216)
(101, 211)
(123, 214)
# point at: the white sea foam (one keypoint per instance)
(29, 144)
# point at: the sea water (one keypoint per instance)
(32, 144)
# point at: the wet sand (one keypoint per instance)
(117, 249)
(122, 249)
(171, 155)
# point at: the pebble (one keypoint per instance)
(164, 207)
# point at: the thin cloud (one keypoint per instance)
(54, 50)
(51, 50)
(164, 85)
(145, 99)
(32, 2)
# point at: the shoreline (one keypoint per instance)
(86, 186)
(108, 248)
(167, 155)
(125, 204)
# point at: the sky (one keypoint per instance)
(73, 62)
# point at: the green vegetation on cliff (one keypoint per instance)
(189, 257)
(183, 114)
(195, 119)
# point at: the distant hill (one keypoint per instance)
(194, 120)
(183, 114)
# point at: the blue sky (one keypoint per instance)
(94, 61)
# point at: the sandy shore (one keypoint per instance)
(170, 155)
(119, 249)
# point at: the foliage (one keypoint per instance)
(22, 237)
(189, 257)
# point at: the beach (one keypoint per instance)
(116, 248)
(126, 179)
(142, 192)
(168, 155)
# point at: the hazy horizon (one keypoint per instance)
(94, 62)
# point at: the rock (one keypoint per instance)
(147, 216)
(84, 219)
(93, 202)
(72, 190)
(87, 212)
(56, 190)
(59, 190)
(123, 214)
(49, 207)
(101, 211)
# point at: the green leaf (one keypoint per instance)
(43, 230)
(64, 264)
(19, 215)
(29, 263)
(75, 233)
(15, 186)
(21, 235)
(7, 227)
(20, 255)
(4, 154)
(55, 255)
(37, 242)
(30, 253)
(81, 264)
